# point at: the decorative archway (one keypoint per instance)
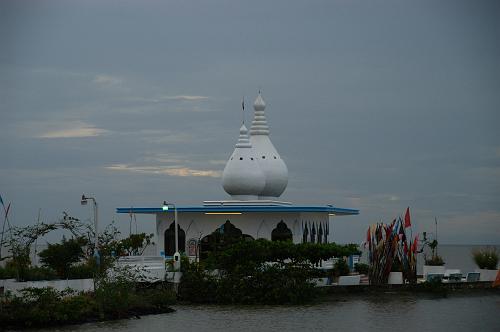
(170, 239)
(222, 237)
(281, 232)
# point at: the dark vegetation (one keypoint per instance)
(116, 295)
(60, 256)
(260, 272)
(362, 268)
(42, 307)
(237, 270)
(486, 258)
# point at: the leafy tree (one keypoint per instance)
(135, 244)
(21, 239)
(61, 256)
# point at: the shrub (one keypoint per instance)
(60, 256)
(259, 271)
(37, 273)
(197, 284)
(341, 268)
(45, 307)
(486, 258)
(81, 271)
(267, 284)
(7, 272)
(435, 260)
(362, 268)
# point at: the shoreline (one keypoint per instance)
(455, 287)
(134, 313)
(330, 293)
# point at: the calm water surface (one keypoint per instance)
(476, 311)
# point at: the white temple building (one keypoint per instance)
(255, 176)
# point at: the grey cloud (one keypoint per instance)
(375, 106)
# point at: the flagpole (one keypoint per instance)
(436, 222)
(5, 220)
(36, 240)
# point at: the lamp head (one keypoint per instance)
(165, 206)
(84, 200)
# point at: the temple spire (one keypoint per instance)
(259, 123)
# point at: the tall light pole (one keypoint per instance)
(165, 208)
(84, 202)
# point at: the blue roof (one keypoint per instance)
(242, 208)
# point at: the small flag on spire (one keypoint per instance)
(243, 103)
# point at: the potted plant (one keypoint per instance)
(435, 264)
(487, 260)
(396, 274)
(362, 268)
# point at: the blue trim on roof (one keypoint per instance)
(155, 210)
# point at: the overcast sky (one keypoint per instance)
(373, 105)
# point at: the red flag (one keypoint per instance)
(496, 283)
(368, 237)
(407, 218)
(414, 245)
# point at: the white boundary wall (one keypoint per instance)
(79, 285)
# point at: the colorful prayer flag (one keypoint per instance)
(415, 244)
(407, 218)
(496, 283)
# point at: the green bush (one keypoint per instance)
(61, 256)
(279, 283)
(341, 268)
(486, 258)
(435, 260)
(7, 272)
(29, 273)
(197, 284)
(43, 307)
(37, 273)
(81, 271)
(362, 268)
(259, 271)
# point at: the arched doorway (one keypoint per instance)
(170, 239)
(222, 237)
(281, 232)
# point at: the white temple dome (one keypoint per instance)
(242, 177)
(269, 160)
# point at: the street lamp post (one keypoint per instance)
(84, 202)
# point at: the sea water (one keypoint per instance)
(470, 311)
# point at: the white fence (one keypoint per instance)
(79, 285)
